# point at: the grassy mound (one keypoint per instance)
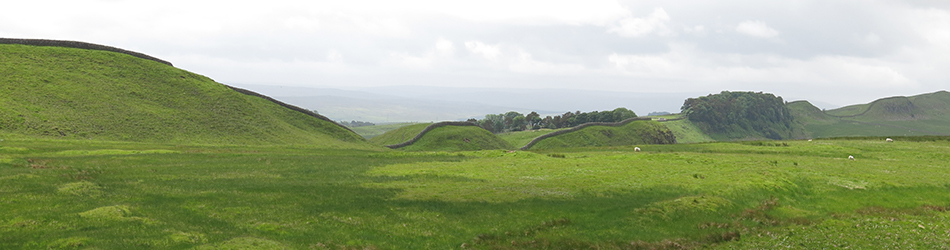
(369, 132)
(521, 138)
(67, 93)
(457, 138)
(399, 135)
(632, 133)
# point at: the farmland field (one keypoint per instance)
(120, 195)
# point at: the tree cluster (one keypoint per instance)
(353, 124)
(514, 121)
(740, 113)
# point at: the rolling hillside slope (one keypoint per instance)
(69, 93)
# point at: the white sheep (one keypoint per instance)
(889, 140)
(851, 157)
(636, 149)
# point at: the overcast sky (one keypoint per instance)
(833, 52)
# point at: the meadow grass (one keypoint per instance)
(748, 195)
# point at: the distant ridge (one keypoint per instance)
(924, 114)
(78, 45)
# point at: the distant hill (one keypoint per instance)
(71, 93)
(632, 131)
(742, 116)
(925, 114)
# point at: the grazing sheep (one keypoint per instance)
(889, 140)
(636, 149)
(809, 139)
(851, 157)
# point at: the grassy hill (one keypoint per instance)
(457, 138)
(632, 133)
(369, 132)
(68, 93)
(685, 131)
(399, 135)
(926, 114)
(521, 138)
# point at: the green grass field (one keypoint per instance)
(119, 195)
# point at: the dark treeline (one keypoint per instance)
(739, 113)
(514, 121)
(354, 124)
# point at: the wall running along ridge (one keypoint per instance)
(579, 127)
(79, 45)
(430, 128)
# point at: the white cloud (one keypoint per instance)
(445, 47)
(727, 70)
(698, 30)
(756, 29)
(634, 27)
(524, 63)
(490, 52)
(334, 56)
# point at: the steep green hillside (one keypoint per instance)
(67, 93)
(399, 135)
(457, 138)
(926, 114)
(632, 133)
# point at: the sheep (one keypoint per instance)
(636, 149)
(851, 157)
(809, 139)
(889, 140)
